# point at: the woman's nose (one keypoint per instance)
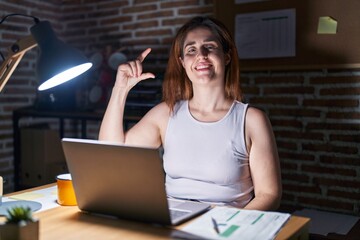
(203, 52)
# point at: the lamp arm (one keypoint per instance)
(17, 51)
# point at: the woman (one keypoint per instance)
(216, 148)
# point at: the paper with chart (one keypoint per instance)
(234, 223)
(268, 34)
(47, 197)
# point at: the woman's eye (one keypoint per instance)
(191, 51)
(210, 47)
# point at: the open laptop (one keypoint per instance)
(124, 181)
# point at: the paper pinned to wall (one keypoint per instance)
(327, 25)
(268, 34)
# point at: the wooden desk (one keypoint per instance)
(70, 223)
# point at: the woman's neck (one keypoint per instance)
(209, 107)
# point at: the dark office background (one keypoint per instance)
(315, 114)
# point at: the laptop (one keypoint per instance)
(124, 181)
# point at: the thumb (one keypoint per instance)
(146, 76)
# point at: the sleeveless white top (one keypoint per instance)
(208, 161)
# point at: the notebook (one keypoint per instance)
(124, 181)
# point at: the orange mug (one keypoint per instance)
(65, 190)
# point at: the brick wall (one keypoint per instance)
(315, 115)
(316, 120)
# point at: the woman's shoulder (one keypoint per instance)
(257, 120)
(160, 110)
(255, 114)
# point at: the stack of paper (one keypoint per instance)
(234, 223)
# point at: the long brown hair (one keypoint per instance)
(177, 86)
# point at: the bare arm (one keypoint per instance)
(264, 161)
(128, 75)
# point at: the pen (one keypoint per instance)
(215, 225)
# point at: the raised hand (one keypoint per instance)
(130, 73)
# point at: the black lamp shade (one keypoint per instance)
(57, 62)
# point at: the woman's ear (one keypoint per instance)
(182, 62)
(227, 58)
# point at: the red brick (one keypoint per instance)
(286, 145)
(296, 157)
(298, 135)
(295, 176)
(74, 10)
(331, 103)
(7, 8)
(272, 80)
(333, 126)
(343, 115)
(330, 148)
(100, 14)
(112, 4)
(328, 170)
(156, 15)
(289, 123)
(346, 137)
(160, 32)
(288, 90)
(144, 42)
(340, 91)
(331, 182)
(253, 90)
(295, 112)
(82, 24)
(137, 2)
(341, 160)
(325, 203)
(283, 101)
(167, 41)
(287, 166)
(291, 187)
(174, 21)
(176, 4)
(344, 194)
(192, 10)
(139, 9)
(139, 25)
(335, 80)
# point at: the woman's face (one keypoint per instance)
(203, 57)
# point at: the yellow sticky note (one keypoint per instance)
(327, 25)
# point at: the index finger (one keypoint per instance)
(143, 55)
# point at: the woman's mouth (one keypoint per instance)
(202, 67)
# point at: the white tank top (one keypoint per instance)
(208, 161)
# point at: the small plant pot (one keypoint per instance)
(20, 231)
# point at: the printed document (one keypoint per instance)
(233, 223)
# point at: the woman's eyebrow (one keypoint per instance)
(206, 41)
(189, 44)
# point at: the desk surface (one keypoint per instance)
(70, 223)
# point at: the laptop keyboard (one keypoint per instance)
(177, 214)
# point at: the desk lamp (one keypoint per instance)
(57, 62)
